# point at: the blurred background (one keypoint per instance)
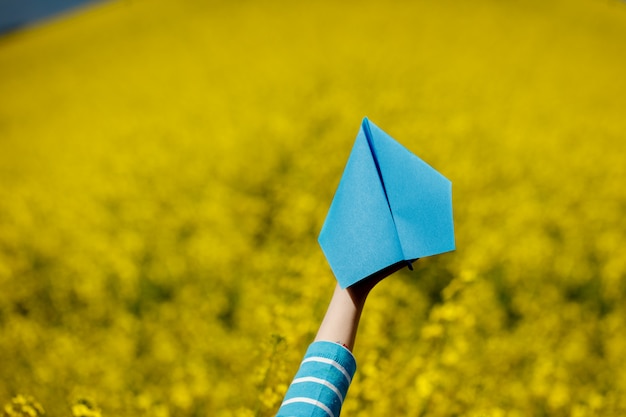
(18, 14)
(165, 168)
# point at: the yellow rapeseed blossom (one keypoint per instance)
(85, 408)
(165, 168)
(23, 406)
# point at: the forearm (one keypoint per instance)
(341, 321)
(321, 384)
(342, 317)
(326, 371)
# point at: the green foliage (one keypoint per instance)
(165, 168)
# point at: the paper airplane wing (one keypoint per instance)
(389, 207)
(359, 236)
(420, 198)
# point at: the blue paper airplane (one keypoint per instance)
(390, 207)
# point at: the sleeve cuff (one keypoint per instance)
(333, 351)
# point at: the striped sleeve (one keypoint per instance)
(321, 384)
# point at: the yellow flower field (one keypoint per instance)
(165, 168)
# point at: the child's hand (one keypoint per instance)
(361, 289)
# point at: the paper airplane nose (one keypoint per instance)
(389, 207)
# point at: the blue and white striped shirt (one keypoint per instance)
(321, 383)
